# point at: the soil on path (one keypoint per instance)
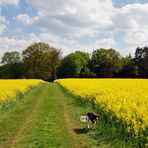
(69, 121)
(29, 118)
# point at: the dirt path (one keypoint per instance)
(21, 130)
(69, 121)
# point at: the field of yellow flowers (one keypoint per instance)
(123, 102)
(10, 88)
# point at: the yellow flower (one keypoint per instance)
(10, 88)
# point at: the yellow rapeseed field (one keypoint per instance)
(122, 100)
(10, 88)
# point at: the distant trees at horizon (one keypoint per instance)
(41, 61)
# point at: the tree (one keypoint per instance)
(73, 65)
(36, 57)
(11, 57)
(145, 61)
(12, 67)
(105, 63)
(41, 61)
(55, 61)
(129, 68)
(141, 60)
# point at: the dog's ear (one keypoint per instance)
(88, 114)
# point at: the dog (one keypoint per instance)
(92, 119)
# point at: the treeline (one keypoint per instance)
(41, 61)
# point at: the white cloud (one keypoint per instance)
(69, 46)
(27, 20)
(131, 17)
(132, 20)
(77, 18)
(24, 18)
(9, 2)
(106, 43)
(11, 44)
(3, 24)
(85, 19)
(66, 45)
(137, 37)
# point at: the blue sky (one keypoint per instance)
(74, 25)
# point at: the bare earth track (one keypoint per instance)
(77, 141)
(28, 119)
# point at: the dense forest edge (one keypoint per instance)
(41, 61)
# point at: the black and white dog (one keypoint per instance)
(92, 119)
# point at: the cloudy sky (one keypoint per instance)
(74, 24)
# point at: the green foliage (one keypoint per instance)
(105, 62)
(73, 65)
(129, 68)
(36, 57)
(141, 60)
(55, 61)
(13, 71)
(12, 67)
(41, 61)
(11, 57)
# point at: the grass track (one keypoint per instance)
(50, 118)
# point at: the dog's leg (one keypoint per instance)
(94, 125)
(89, 126)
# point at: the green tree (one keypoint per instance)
(41, 61)
(12, 67)
(13, 71)
(55, 61)
(11, 57)
(141, 60)
(129, 69)
(36, 58)
(74, 65)
(105, 63)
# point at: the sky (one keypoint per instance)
(72, 25)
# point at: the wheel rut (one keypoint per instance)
(29, 118)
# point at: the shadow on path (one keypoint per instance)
(81, 130)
